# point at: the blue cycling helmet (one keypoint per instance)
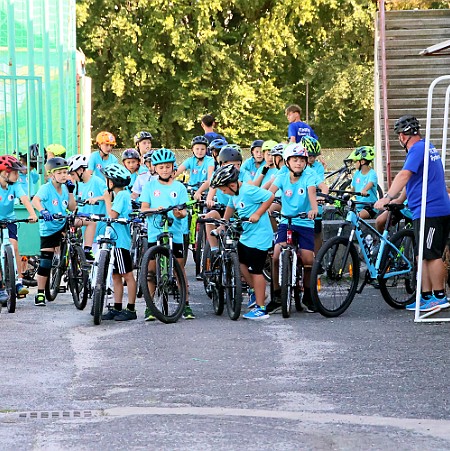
(163, 155)
(216, 145)
(200, 140)
(118, 174)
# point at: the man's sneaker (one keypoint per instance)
(21, 290)
(90, 257)
(111, 314)
(251, 298)
(413, 305)
(435, 303)
(256, 314)
(125, 315)
(148, 315)
(39, 300)
(273, 307)
(308, 304)
(3, 295)
(188, 313)
(198, 277)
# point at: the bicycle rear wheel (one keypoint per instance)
(212, 281)
(169, 298)
(335, 276)
(56, 273)
(98, 297)
(142, 249)
(399, 291)
(78, 277)
(233, 285)
(199, 248)
(10, 279)
(286, 283)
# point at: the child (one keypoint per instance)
(89, 188)
(9, 191)
(131, 159)
(298, 194)
(143, 142)
(55, 150)
(214, 148)
(54, 197)
(161, 193)
(144, 177)
(297, 129)
(250, 202)
(208, 124)
(268, 171)
(364, 180)
(252, 164)
(103, 157)
(118, 205)
(200, 166)
(25, 177)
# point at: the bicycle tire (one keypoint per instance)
(78, 277)
(56, 273)
(399, 291)
(159, 304)
(267, 270)
(286, 283)
(10, 279)
(134, 250)
(233, 287)
(98, 296)
(199, 248)
(212, 282)
(334, 282)
(143, 246)
(206, 268)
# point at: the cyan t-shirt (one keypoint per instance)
(249, 166)
(122, 205)
(359, 181)
(23, 181)
(54, 203)
(198, 173)
(158, 195)
(299, 130)
(257, 235)
(270, 176)
(96, 162)
(7, 197)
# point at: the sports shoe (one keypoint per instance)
(39, 300)
(126, 315)
(148, 315)
(3, 295)
(434, 303)
(273, 306)
(188, 313)
(422, 303)
(257, 313)
(21, 290)
(251, 298)
(307, 303)
(111, 314)
(90, 257)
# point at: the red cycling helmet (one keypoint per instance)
(9, 163)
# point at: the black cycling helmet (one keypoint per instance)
(148, 156)
(224, 175)
(256, 143)
(130, 154)
(141, 136)
(407, 125)
(200, 140)
(118, 174)
(53, 164)
(229, 153)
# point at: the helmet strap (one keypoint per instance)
(295, 174)
(167, 180)
(235, 192)
(277, 160)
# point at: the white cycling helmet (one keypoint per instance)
(294, 150)
(76, 162)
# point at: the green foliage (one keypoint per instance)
(161, 65)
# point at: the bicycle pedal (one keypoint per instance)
(62, 289)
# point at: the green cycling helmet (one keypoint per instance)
(362, 153)
(311, 145)
(268, 145)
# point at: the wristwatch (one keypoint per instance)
(388, 196)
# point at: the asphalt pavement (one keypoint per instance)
(370, 379)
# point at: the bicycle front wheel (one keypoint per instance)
(286, 283)
(199, 248)
(10, 279)
(335, 276)
(143, 246)
(212, 281)
(56, 273)
(164, 293)
(98, 297)
(399, 291)
(78, 277)
(233, 285)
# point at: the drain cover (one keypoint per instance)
(56, 414)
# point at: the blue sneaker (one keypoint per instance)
(4, 296)
(413, 305)
(257, 313)
(434, 303)
(252, 298)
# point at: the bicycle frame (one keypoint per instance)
(4, 243)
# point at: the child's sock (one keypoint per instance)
(130, 307)
(439, 294)
(426, 295)
(118, 307)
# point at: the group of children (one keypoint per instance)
(288, 171)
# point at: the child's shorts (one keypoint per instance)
(177, 248)
(12, 231)
(254, 259)
(303, 235)
(122, 262)
(318, 225)
(53, 240)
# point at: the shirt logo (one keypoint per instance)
(65, 203)
(288, 193)
(1, 198)
(358, 180)
(301, 191)
(157, 193)
(55, 202)
(91, 194)
(195, 171)
(11, 197)
(241, 204)
(173, 194)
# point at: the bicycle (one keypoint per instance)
(139, 244)
(164, 290)
(290, 271)
(8, 264)
(100, 279)
(336, 270)
(222, 277)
